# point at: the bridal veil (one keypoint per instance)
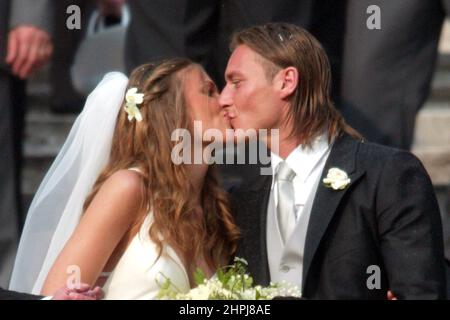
(57, 206)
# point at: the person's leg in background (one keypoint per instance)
(64, 97)
(9, 228)
(165, 29)
(386, 73)
(18, 108)
(328, 26)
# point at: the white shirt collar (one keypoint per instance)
(303, 159)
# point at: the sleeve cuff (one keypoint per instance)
(40, 16)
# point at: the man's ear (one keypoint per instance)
(287, 81)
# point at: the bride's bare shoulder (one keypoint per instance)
(124, 188)
(125, 179)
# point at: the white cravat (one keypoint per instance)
(308, 164)
(285, 207)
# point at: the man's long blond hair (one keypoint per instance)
(285, 45)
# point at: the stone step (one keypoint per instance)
(436, 160)
(432, 140)
(443, 61)
(45, 133)
(39, 89)
(444, 42)
(39, 96)
(433, 125)
(440, 86)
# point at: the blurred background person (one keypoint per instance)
(64, 98)
(25, 46)
(387, 72)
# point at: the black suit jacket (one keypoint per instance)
(387, 216)
(12, 295)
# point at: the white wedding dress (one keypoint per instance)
(137, 274)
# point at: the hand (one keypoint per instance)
(81, 293)
(110, 7)
(390, 296)
(29, 48)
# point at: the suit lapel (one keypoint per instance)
(343, 156)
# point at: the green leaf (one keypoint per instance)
(220, 275)
(199, 276)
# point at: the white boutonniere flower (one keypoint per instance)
(133, 98)
(336, 179)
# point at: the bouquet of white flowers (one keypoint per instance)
(229, 283)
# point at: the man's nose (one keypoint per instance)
(225, 99)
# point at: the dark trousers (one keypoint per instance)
(165, 29)
(11, 133)
(386, 73)
(64, 97)
(200, 30)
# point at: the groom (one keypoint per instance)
(341, 217)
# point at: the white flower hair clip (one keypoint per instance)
(133, 98)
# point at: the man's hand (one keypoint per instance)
(29, 48)
(110, 7)
(81, 293)
(390, 296)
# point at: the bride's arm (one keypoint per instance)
(107, 219)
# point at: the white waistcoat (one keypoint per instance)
(286, 261)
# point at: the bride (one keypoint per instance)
(114, 209)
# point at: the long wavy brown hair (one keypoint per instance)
(284, 45)
(147, 145)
